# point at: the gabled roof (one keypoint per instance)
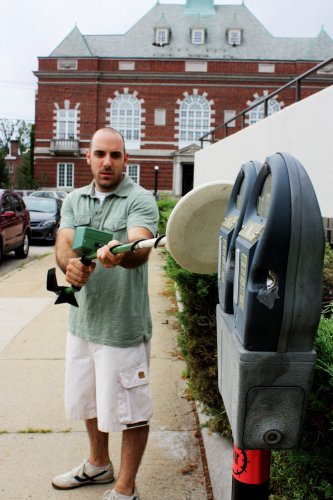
(189, 150)
(74, 42)
(257, 42)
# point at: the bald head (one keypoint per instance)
(107, 158)
(106, 130)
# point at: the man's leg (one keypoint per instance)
(133, 447)
(99, 444)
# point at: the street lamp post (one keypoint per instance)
(156, 169)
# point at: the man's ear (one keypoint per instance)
(88, 156)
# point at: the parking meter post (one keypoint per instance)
(250, 474)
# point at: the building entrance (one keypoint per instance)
(187, 178)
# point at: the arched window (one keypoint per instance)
(194, 119)
(258, 113)
(125, 116)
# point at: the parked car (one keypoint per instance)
(23, 192)
(15, 229)
(61, 195)
(45, 217)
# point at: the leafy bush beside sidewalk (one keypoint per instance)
(197, 341)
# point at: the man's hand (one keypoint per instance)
(77, 273)
(106, 257)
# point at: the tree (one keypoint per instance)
(24, 178)
(18, 129)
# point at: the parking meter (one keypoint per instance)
(279, 260)
(230, 227)
(267, 359)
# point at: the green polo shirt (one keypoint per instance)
(113, 305)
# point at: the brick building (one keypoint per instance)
(180, 71)
(13, 161)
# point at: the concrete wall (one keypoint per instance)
(303, 129)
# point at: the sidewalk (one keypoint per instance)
(36, 440)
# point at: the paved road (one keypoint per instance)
(10, 263)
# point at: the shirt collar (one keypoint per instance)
(122, 190)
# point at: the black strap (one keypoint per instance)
(158, 240)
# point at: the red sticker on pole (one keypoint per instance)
(251, 466)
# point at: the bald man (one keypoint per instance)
(108, 342)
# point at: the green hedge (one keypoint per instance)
(197, 341)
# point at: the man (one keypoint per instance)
(108, 344)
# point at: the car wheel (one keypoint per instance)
(23, 250)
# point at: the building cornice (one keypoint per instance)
(164, 79)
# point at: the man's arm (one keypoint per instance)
(77, 274)
(127, 260)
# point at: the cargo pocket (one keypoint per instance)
(134, 397)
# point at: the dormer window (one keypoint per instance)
(162, 36)
(234, 37)
(198, 36)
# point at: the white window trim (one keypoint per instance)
(65, 185)
(187, 133)
(118, 120)
(234, 36)
(162, 36)
(195, 33)
(257, 114)
(132, 165)
(67, 120)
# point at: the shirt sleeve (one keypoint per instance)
(144, 213)
(67, 214)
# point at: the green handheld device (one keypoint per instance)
(87, 241)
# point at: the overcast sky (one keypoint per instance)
(33, 28)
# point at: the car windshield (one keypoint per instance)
(40, 204)
(43, 194)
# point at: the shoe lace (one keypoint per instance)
(109, 495)
(80, 468)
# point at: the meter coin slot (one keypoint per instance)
(230, 227)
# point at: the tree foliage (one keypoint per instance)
(14, 129)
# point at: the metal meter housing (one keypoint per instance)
(230, 227)
(279, 260)
(266, 360)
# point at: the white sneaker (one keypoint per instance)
(82, 475)
(114, 495)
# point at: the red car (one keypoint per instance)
(15, 229)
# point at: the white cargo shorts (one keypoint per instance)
(108, 383)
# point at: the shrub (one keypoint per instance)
(165, 205)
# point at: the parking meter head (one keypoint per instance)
(87, 240)
(230, 227)
(279, 260)
(192, 230)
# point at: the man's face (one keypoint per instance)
(107, 159)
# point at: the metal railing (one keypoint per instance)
(296, 82)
